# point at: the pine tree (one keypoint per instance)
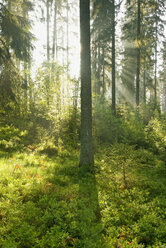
(86, 153)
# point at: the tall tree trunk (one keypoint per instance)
(138, 53)
(94, 66)
(54, 44)
(155, 75)
(31, 89)
(48, 78)
(98, 70)
(113, 58)
(25, 73)
(67, 47)
(164, 98)
(144, 86)
(103, 72)
(25, 87)
(86, 153)
(63, 46)
(95, 56)
(155, 72)
(67, 44)
(48, 31)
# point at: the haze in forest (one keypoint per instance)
(82, 131)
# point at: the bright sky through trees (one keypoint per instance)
(39, 54)
(39, 30)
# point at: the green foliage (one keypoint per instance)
(70, 133)
(132, 211)
(10, 82)
(155, 133)
(15, 35)
(46, 202)
(130, 129)
(123, 128)
(11, 138)
(106, 126)
(49, 79)
(34, 205)
(48, 148)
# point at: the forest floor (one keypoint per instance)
(45, 201)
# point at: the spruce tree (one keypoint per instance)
(86, 153)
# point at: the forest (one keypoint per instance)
(83, 123)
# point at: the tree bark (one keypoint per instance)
(155, 72)
(25, 71)
(103, 72)
(164, 98)
(48, 32)
(98, 71)
(138, 53)
(113, 58)
(86, 153)
(67, 44)
(144, 86)
(54, 31)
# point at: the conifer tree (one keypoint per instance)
(86, 153)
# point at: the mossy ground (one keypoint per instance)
(46, 201)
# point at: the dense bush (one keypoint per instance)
(123, 128)
(11, 138)
(155, 133)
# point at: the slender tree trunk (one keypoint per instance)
(86, 153)
(95, 66)
(103, 72)
(67, 45)
(63, 47)
(31, 89)
(25, 74)
(155, 75)
(98, 71)
(56, 41)
(54, 31)
(155, 72)
(138, 53)
(95, 55)
(164, 98)
(113, 58)
(48, 78)
(144, 86)
(76, 95)
(48, 32)
(25, 87)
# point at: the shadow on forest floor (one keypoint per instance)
(88, 227)
(89, 224)
(51, 204)
(6, 154)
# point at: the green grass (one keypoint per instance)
(46, 202)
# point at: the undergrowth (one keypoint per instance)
(46, 202)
